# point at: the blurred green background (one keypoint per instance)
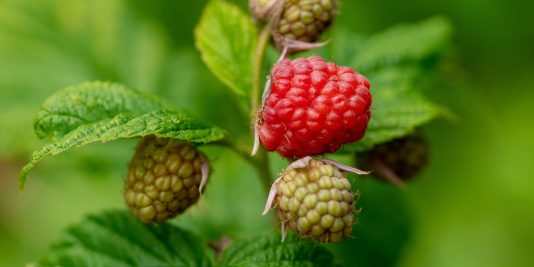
(473, 206)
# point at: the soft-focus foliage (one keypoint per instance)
(403, 44)
(471, 207)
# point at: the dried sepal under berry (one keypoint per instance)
(165, 177)
(314, 199)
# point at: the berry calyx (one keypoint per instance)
(313, 108)
(165, 177)
(315, 200)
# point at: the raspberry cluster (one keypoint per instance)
(314, 107)
(163, 179)
(316, 201)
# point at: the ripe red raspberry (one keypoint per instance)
(314, 107)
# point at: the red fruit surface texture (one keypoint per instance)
(314, 107)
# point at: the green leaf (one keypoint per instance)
(345, 46)
(102, 112)
(398, 107)
(268, 251)
(226, 38)
(403, 43)
(90, 102)
(116, 239)
(395, 61)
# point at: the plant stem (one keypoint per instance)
(263, 40)
(260, 161)
(263, 170)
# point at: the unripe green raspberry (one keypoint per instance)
(295, 20)
(316, 201)
(405, 157)
(305, 20)
(164, 178)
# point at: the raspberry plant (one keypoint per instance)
(370, 95)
